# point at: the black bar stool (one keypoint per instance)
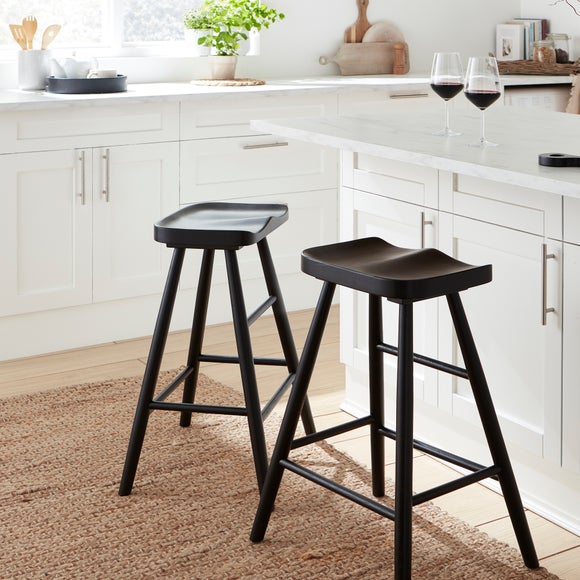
(403, 276)
(211, 227)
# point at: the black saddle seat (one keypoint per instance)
(376, 267)
(220, 226)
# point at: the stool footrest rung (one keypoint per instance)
(194, 408)
(345, 492)
(437, 452)
(219, 358)
(331, 432)
(261, 309)
(427, 361)
(455, 484)
(269, 406)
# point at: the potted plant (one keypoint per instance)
(198, 24)
(232, 21)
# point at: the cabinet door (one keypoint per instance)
(520, 353)
(45, 231)
(133, 187)
(402, 224)
(571, 360)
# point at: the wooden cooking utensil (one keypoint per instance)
(29, 25)
(356, 32)
(49, 35)
(18, 34)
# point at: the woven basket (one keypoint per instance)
(532, 67)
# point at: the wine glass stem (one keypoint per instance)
(482, 126)
(446, 116)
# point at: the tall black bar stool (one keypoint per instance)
(211, 227)
(403, 276)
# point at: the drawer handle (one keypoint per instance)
(545, 258)
(424, 223)
(265, 145)
(83, 193)
(408, 95)
(107, 189)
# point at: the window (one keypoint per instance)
(106, 24)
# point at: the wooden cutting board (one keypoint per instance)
(356, 31)
(363, 58)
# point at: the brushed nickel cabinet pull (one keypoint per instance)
(545, 258)
(83, 193)
(424, 223)
(107, 182)
(266, 145)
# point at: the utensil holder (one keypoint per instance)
(33, 69)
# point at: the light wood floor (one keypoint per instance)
(558, 549)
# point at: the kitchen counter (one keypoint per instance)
(15, 99)
(521, 133)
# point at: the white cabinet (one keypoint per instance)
(132, 187)
(45, 232)
(518, 339)
(77, 225)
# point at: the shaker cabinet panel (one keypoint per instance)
(518, 339)
(45, 231)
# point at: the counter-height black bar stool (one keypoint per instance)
(403, 276)
(210, 227)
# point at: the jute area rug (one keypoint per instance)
(193, 504)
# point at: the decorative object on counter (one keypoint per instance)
(544, 51)
(530, 67)
(561, 46)
(559, 160)
(231, 22)
(482, 88)
(447, 82)
(383, 31)
(198, 24)
(33, 69)
(228, 82)
(87, 86)
(356, 31)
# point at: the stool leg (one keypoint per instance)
(247, 369)
(492, 430)
(404, 446)
(151, 373)
(292, 414)
(197, 332)
(376, 399)
(283, 325)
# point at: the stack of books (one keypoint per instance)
(515, 38)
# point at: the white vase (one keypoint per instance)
(223, 67)
(191, 37)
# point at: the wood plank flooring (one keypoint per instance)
(558, 549)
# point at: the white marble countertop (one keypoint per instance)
(15, 99)
(406, 135)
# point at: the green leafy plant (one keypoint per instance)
(231, 21)
(198, 19)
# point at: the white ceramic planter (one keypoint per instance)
(191, 37)
(223, 67)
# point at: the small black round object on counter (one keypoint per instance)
(559, 160)
(66, 86)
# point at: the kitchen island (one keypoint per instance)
(494, 205)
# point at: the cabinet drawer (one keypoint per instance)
(518, 208)
(216, 169)
(393, 179)
(88, 127)
(377, 101)
(225, 117)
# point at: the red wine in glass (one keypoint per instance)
(482, 88)
(446, 82)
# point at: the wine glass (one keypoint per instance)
(482, 88)
(446, 81)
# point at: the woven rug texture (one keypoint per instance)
(194, 500)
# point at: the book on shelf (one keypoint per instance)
(533, 29)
